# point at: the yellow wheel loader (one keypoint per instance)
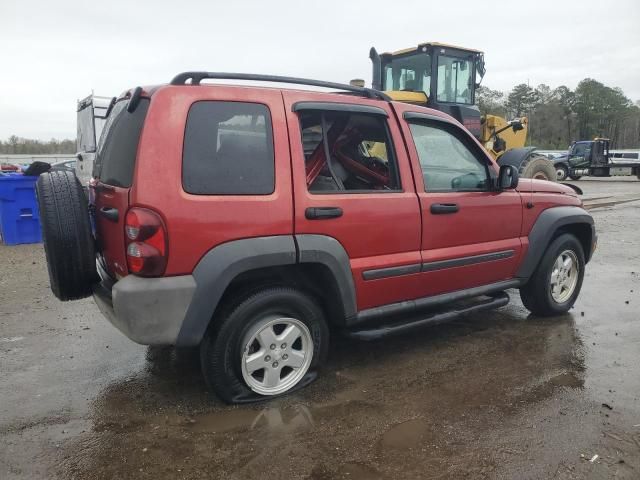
(445, 77)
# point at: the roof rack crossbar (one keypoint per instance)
(197, 77)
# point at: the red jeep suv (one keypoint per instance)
(249, 221)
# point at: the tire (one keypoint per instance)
(538, 294)
(66, 232)
(537, 166)
(575, 177)
(228, 345)
(562, 172)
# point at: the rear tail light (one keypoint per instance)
(146, 242)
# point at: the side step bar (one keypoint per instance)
(496, 300)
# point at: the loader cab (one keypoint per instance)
(439, 76)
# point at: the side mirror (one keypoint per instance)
(507, 178)
(517, 125)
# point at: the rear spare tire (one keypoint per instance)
(66, 232)
(537, 166)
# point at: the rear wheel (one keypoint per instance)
(556, 283)
(264, 344)
(66, 232)
(575, 177)
(538, 167)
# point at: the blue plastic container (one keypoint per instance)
(19, 216)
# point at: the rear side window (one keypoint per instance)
(360, 153)
(228, 149)
(118, 146)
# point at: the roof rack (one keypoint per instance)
(197, 77)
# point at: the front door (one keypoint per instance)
(352, 182)
(470, 231)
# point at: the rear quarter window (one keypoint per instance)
(228, 149)
(118, 146)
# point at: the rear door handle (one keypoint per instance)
(319, 213)
(443, 208)
(110, 213)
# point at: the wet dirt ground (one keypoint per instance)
(494, 395)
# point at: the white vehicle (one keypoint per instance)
(624, 156)
(92, 114)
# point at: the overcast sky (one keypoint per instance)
(54, 52)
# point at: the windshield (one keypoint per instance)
(580, 150)
(455, 80)
(410, 72)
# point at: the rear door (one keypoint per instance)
(113, 174)
(470, 232)
(363, 196)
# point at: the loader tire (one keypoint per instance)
(66, 232)
(539, 167)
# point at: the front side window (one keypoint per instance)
(228, 149)
(357, 155)
(447, 163)
(580, 155)
(411, 72)
(455, 80)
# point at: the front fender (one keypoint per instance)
(547, 224)
(515, 157)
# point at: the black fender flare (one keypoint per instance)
(573, 187)
(515, 157)
(223, 263)
(544, 229)
(329, 252)
(219, 266)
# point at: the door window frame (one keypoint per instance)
(392, 157)
(189, 150)
(460, 134)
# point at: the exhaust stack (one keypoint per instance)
(376, 82)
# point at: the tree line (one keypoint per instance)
(556, 117)
(17, 145)
(559, 116)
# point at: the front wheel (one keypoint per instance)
(264, 344)
(554, 286)
(561, 172)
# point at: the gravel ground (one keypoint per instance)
(494, 395)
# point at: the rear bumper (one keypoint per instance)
(150, 311)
